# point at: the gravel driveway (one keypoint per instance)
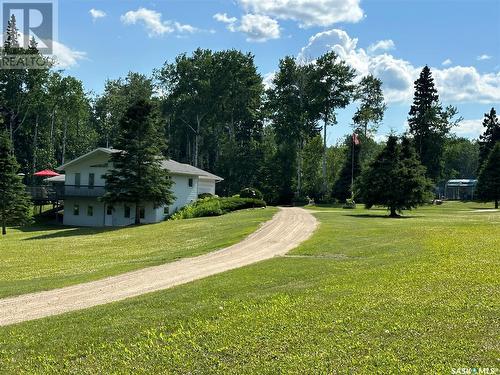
(287, 229)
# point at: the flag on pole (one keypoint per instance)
(355, 139)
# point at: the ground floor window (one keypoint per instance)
(127, 212)
(76, 209)
(90, 211)
(109, 210)
(142, 212)
(166, 210)
(190, 182)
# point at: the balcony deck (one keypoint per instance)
(54, 193)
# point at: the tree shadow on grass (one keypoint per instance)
(379, 216)
(64, 232)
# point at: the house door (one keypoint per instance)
(108, 217)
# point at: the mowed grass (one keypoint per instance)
(46, 257)
(365, 295)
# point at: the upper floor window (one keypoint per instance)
(91, 180)
(77, 179)
(190, 182)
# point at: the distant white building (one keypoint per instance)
(84, 184)
(461, 189)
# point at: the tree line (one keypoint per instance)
(212, 110)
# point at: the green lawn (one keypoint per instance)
(39, 258)
(365, 295)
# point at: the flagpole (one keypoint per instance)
(352, 168)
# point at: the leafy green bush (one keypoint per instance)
(349, 204)
(205, 195)
(215, 206)
(251, 193)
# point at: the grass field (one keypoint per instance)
(45, 257)
(365, 295)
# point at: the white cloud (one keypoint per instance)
(446, 62)
(381, 45)
(483, 57)
(66, 57)
(224, 18)
(469, 128)
(455, 83)
(184, 28)
(152, 21)
(307, 12)
(267, 80)
(96, 13)
(258, 28)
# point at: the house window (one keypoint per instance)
(91, 180)
(127, 211)
(109, 210)
(166, 210)
(77, 179)
(76, 210)
(190, 182)
(142, 212)
(90, 211)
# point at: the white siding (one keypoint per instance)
(184, 194)
(206, 186)
(87, 166)
(98, 165)
(82, 219)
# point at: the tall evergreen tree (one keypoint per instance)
(416, 189)
(395, 179)
(429, 123)
(488, 185)
(137, 175)
(490, 136)
(15, 204)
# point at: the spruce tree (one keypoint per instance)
(416, 189)
(490, 136)
(137, 175)
(395, 179)
(488, 185)
(11, 34)
(429, 124)
(15, 203)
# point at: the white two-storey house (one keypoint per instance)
(84, 184)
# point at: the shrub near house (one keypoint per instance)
(216, 206)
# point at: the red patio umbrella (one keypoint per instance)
(46, 173)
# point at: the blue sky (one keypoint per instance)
(392, 39)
